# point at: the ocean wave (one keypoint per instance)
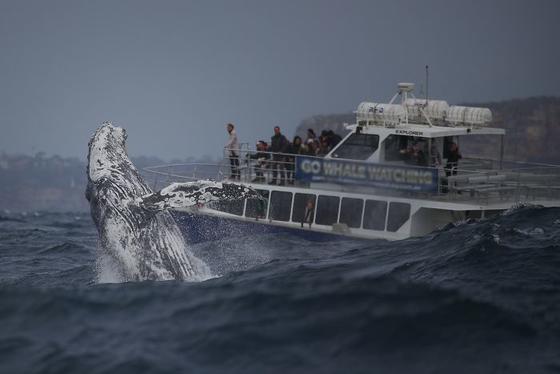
(477, 296)
(10, 219)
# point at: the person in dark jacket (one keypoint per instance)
(420, 157)
(295, 148)
(453, 158)
(333, 138)
(278, 144)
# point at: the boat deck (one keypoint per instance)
(477, 181)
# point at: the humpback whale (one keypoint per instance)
(134, 224)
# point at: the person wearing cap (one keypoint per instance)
(232, 150)
(310, 148)
(261, 157)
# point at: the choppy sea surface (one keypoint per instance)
(474, 297)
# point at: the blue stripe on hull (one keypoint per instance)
(202, 228)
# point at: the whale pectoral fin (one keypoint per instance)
(184, 195)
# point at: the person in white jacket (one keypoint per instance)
(232, 149)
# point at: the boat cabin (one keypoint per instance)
(392, 133)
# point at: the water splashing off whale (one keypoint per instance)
(135, 229)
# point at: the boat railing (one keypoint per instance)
(528, 182)
(162, 175)
(473, 180)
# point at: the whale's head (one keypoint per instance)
(107, 156)
(111, 175)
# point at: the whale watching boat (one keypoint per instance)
(393, 176)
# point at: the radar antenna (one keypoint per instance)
(427, 76)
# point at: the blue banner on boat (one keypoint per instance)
(310, 169)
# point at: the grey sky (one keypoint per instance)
(174, 72)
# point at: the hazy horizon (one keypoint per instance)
(173, 73)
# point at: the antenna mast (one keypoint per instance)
(427, 76)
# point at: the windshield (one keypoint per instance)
(357, 147)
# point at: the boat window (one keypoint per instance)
(300, 202)
(357, 147)
(374, 215)
(327, 210)
(398, 215)
(280, 205)
(256, 208)
(395, 145)
(351, 212)
(228, 206)
(411, 150)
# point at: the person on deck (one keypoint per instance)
(260, 157)
(324, 147)
(278, 144)
(436, 157)
(310, 148)
(453, 158)
(311, 137)
(420, 156)
(414, 154)
(232, 150)
(295, 148)
(308, 213)
(334, 138)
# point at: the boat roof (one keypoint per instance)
(425, 118)
(425, 131)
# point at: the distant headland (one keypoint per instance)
(52, 183)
